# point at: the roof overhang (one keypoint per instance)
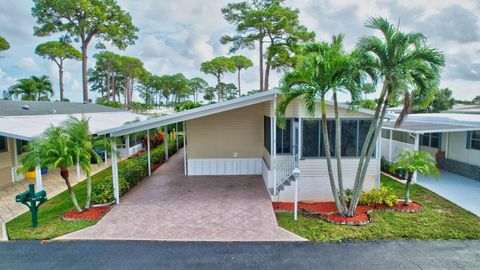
(422, 127)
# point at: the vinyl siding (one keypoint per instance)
(457, 149)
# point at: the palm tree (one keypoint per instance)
(33, 88)
(414, 161)
(80, 137)
(55, 150)
(405, 62)
(325, 67)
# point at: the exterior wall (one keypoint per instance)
(431, 150)
(222, 135)
(5, 164)
(458, 151)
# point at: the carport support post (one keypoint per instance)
(417, 146)
(176, 134)
(38, 177)
(390, 146)
(184, 149)
(165, 142)
(148, 153)
(127, 144)
(116, 193)
(274, 148)
(296, 175)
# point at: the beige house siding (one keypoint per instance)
(223, 134)
(5, 166)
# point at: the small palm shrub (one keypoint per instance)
(382, 196)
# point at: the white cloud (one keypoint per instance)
(27, 63)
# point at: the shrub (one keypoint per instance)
(385, 165)
(382, 196)
(103, 192)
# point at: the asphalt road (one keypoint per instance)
(200, 255)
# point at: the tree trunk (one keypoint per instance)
(84, 71)
(108, 84)
(219, 90)
(65, 175)
(89, 190)
(114, 92)
(267, 75)
(326, 143)
(239, 90)
(260, 46)
(407, 189)
(369, 146)
(60, 79)
(338, 136)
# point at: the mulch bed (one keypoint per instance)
(328, 211)
(93, 213)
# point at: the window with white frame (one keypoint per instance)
(473, 139)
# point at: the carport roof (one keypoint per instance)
(201, 112)
(436, 122)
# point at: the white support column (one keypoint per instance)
(78, 171)
(106, 157)
(15, 160)
(176, 134)
(417, 146)
(127, 144)
(165, 142)
(274, 148)
(148, 153)
(447, 139)
(379, 159)
(38, 177)
(116, 192)
(300, 138)
(390, 146)
(184, 150)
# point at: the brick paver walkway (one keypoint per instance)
(171, 206)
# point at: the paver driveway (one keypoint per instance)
(171, 206)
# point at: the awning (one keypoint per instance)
(421, 127)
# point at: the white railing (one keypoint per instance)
(285, 169)
(391, 148)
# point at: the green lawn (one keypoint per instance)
(440, 219)
(50, 224)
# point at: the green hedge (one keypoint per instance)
(132, 173)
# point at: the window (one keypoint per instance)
(3, 144)
(267, 142)
(473, 140)
(353, 137)
(21, 146)
(431, 140)
(284, 138)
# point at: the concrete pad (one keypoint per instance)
(458, 189)
(169, 206)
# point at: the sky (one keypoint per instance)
(177, 36)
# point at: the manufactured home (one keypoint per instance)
(241, 137)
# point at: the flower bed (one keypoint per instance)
(93, 213)
(328, 211)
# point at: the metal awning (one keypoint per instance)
(421, 127)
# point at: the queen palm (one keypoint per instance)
(33, 88)
(414, 161)
(81, 139)
(325, 68)
(405, 63)
(54, 151)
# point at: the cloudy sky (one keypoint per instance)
(176, 36)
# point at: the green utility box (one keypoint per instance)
(32, 200)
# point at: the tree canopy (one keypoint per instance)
(241, 62)
(217, 67)
(4, 45)
(33, 88)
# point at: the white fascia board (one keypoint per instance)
(434, 130)
(15, 136)
(189, 114)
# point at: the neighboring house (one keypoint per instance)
(23, 121)
(237, 137)
(462, 108)
(454, 138)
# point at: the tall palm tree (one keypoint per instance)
(55, 150)
(325, 68)
(414, 161)
(79, 133)
(405, 62)
(33, 88)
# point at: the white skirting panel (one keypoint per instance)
(266, 174)
(229, 166)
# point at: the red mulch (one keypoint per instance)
(155, 166)
(94, 213)
(328, 211)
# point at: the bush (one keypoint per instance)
(385, 165)
(383, 196)
(103, 192)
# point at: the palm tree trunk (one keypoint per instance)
(89, 190)
(239, 91)
(326, 143)
(338, 136)
(407, 189)
(65, 175)
(368, 147)
(260, 46)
